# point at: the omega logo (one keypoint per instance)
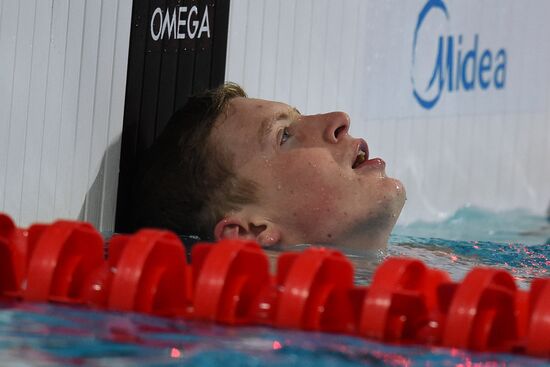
(180, 23)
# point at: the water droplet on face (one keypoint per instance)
(279, 187)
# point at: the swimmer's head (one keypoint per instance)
(266, 172)
(187, 183)
(315, 183)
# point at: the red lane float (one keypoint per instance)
(538, 339)
(13, 256)
(230, 282)
(481, 312)
(305, 282)
(400, 300)
(60, 258)
(146, 272)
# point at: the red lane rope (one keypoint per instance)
(229, 282)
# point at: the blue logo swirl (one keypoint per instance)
(427, 103)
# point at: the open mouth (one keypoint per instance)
(362, 154)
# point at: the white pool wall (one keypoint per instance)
(62, 86)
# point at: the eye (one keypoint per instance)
(284, 136)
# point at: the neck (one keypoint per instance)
(372, 236)
(370, 241)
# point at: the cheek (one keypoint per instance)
(305, 177)
(306, 192)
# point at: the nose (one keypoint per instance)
(336, 126)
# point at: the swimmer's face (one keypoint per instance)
(316, 183)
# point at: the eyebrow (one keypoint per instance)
(266, 126)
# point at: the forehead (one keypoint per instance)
(244, 119)
(240, 128)
(250, 111)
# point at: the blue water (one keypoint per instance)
(53, 335)
(515, 240)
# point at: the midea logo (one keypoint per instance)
(456, 67)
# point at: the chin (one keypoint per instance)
(395, 196)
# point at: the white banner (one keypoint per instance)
(444, 57)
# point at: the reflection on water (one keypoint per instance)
(515, 240)
(53, 335)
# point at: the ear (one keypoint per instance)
(236, 227)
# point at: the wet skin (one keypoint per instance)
(317, 184)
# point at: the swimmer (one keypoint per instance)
(229, 166)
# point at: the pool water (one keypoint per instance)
(54, 335)
(516, 241)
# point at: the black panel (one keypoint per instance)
(163, 73)
(219, 42)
